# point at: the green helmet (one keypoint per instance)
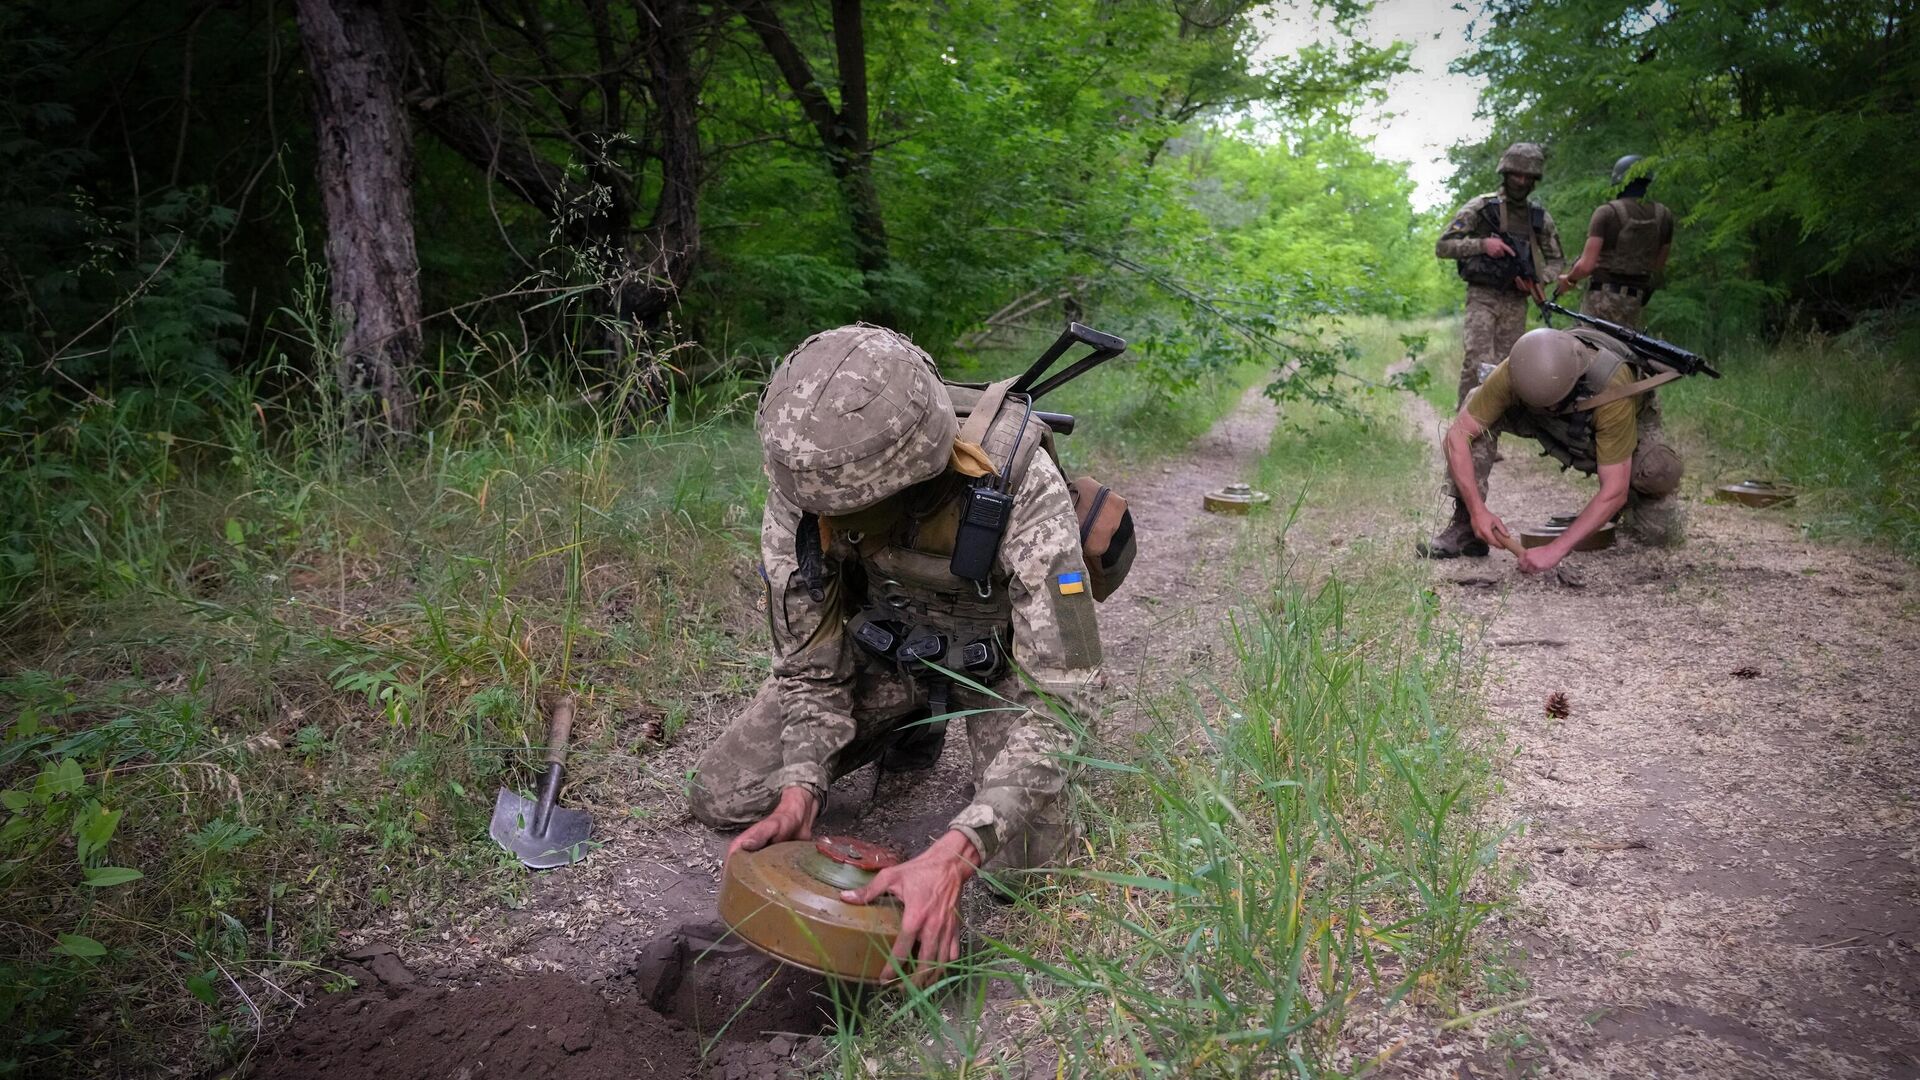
(852, 416)
(1524, 157)
(1544, 364)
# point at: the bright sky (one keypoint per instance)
(1426, 110)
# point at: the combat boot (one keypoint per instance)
(1452, 542)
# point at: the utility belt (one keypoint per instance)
(882, 632)
(1641, 290)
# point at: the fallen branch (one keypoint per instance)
(1596, 845)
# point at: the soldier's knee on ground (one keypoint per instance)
(1021, 864)
(1657, 522)
(1656, 471)
(724, 797)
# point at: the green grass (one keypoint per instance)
(281, 682)
(1838, 418)
(282, 688)
(1295, 844)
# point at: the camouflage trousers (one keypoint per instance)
(730, 787)
(1627, 309)
(1495, 319)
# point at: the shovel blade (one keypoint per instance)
(565, 841)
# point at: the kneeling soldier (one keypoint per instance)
(871, 475)
(1573, 390)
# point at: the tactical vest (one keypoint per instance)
(1499, 271)
(1636, 247)
(908, 577)
(1566, 434)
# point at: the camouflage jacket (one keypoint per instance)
(1040, 602)
(1468, 228)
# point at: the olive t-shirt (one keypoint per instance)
(1615, 424)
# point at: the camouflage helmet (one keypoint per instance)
(852, 416)
(1524, 157)
(1544, 364)
(1624, 166)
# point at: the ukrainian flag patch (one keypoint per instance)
(1070, 583)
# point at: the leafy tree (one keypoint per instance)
(1777, 131)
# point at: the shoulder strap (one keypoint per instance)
(984, 410)
(1608, 397)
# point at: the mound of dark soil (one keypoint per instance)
(719, 987)
(543, 1026)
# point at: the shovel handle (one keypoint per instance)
(559, 730)
(1519, 550)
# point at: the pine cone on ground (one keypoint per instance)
(1558, 706)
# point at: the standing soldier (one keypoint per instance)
(1504, 244)
(1628, 242)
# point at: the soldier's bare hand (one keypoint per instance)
(1488, 527)
(1539, 560)
(792, 819)
(1495, 247)
(928, 887)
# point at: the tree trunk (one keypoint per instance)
(845, 133)
(366, 188)
(641, 268)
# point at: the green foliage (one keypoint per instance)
(1019, 159)
(103, 294)
(1774, 131)
(1837, 416)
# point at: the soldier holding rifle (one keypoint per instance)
(1504, 245)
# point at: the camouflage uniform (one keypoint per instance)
(831, 705)
(1496, 315)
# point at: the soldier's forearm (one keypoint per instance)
(1459, 247)
(1460, 467)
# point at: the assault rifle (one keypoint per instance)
(1500, 270)
(1105, 347)
(1663, 353)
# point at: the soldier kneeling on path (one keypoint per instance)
(1573, 391)
(870, 473)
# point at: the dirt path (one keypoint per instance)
(635, 923)
(1722, 842)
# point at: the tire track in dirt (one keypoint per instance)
(1743, 706)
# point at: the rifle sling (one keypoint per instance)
(1608, 397)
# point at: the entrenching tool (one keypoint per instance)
(784, 900)
(535, 831)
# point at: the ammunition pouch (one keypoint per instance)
(1107, 539)
(1499, 271)
(882, 632)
